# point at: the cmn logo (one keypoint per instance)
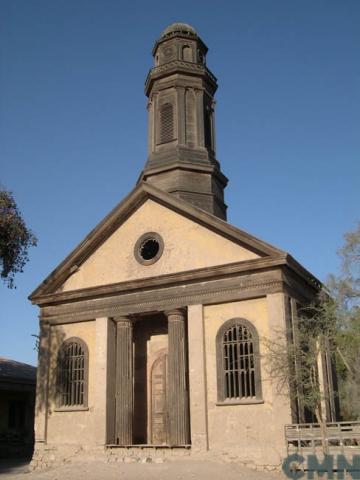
(293, 466)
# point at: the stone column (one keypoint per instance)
(124, 381)
(178, 395)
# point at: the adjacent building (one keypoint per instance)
(17, 402)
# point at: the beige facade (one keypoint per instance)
(114, 260)
(83, 421)
(258, 427)
(152, 328)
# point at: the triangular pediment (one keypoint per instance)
(192, 239)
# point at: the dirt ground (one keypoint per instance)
(173, 470)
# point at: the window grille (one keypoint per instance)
(238, 362)
(166, 123)
(72, 374)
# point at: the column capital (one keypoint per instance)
(123, 321)
(175, 314)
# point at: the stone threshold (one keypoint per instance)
(151, 446)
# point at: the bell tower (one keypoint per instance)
(181, 138)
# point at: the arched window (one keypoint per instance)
(238, 362)
(166, 123)
(72, 373)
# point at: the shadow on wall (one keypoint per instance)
(50, 341)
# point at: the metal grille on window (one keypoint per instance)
(166, 123)
(71, 375)
(239, 363)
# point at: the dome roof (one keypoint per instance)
(178, 28)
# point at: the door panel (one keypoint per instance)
(159, 423)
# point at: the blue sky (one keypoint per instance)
(73, 123)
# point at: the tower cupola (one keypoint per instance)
(181, 139)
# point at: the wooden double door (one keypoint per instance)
(159, 419)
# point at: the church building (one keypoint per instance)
(151, 329)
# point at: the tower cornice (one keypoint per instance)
(180, 66)
(190, 167)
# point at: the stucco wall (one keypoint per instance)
(247, 433)
(187, 245)
(252, 433)
(72, 427)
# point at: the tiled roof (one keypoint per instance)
(16, 371)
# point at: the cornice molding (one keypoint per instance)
(240, 286)
(168, 280)
(115, 307)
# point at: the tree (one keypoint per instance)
(293, 358)
(329, 327)
(345, 289)
(15, 239)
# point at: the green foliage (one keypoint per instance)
(15, 239)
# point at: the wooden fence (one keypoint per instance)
(340, 438)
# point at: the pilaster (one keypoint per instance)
(181, 115)
(197, 379)
(104, 393)
(276, 306)
(199, 117)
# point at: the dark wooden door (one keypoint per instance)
(159, 415)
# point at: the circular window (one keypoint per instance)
(149, 248)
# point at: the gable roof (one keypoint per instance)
(140, 194)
